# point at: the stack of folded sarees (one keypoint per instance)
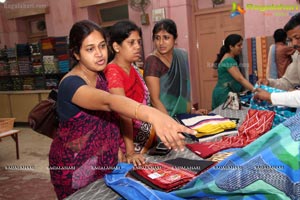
(208, 126)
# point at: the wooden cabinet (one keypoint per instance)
(5, 110)
(18, 104)
(21, 104)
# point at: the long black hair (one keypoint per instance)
(231, 40)
(79, 31)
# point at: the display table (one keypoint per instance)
(98, 189)
(14, 135)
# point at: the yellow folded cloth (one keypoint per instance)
(209, 124)
(214, 127)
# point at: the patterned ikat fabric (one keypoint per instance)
(267, 168)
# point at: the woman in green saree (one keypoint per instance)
(229, 76)
(166, 72)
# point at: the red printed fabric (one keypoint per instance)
(164, 176)
(256, 123)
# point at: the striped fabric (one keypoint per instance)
(253, 75)
(258, 57)
(249, 53)
(244, 61)
(256, 49)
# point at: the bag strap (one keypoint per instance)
(53, 95)
(226, 103)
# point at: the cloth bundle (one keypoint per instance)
(170, 174)
(50, 64)
(162, 176)
(11, 52)
(61, 52)
(256, 123)
(47, 45)
(25, 66)
(208, 124)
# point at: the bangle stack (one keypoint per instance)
(136, 110)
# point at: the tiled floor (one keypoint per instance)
(27, 178)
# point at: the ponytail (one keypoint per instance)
(231, 40)
(220, 56)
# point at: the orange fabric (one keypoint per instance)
(264, 53)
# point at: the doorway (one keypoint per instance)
(211, 28)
